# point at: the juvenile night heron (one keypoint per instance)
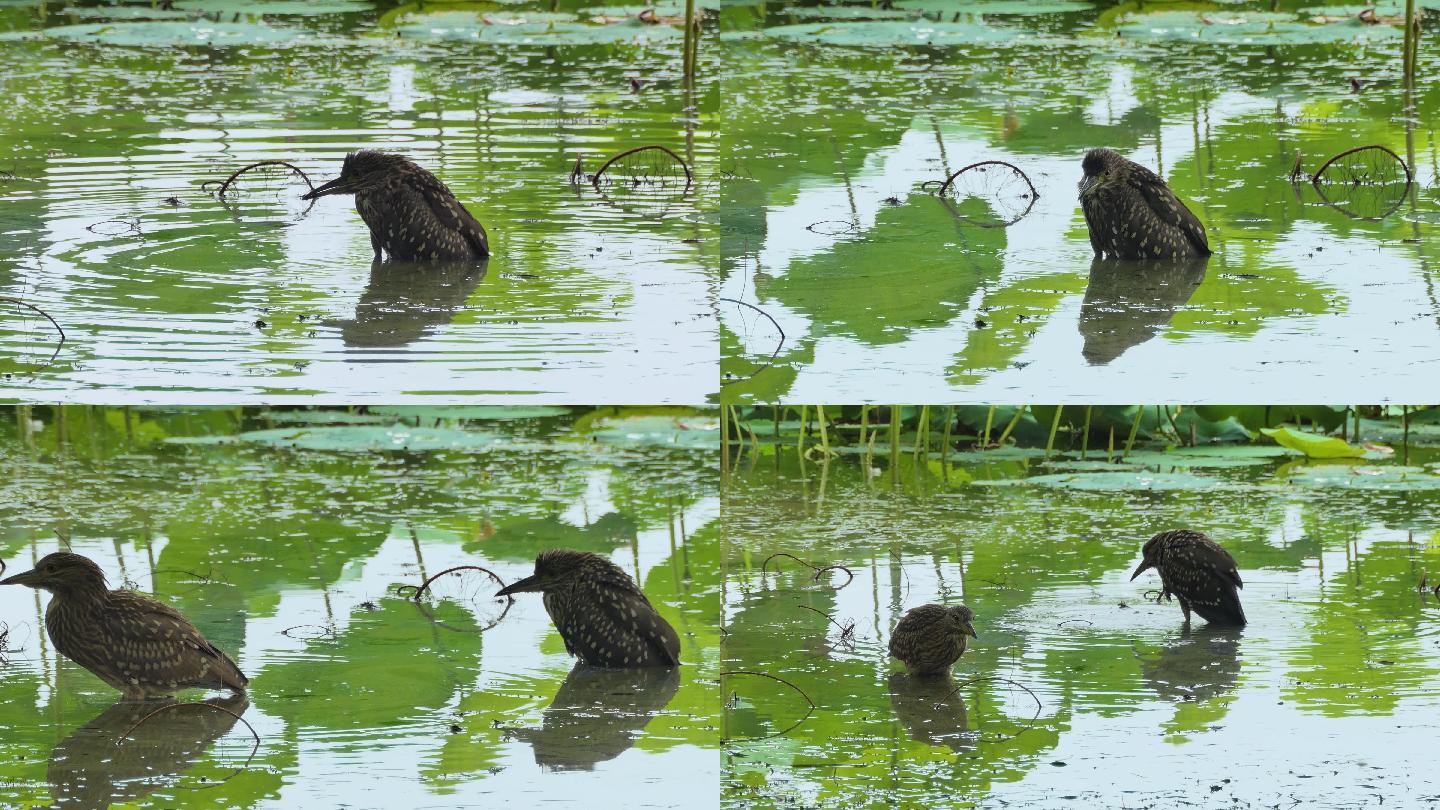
(1132, 214)
(411, 214)
(1198, 572)
(929, 639)
(142, 647)
(601, 613)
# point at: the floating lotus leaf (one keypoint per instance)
(1113, 481)
(1396, 478)
(1313, 445)
(487, 412)
(850, 13)
(1246, 28)
(1173, 459)
(167, 34)
(895, 33)
(1381, 10)
(528, 28)
(124, 13)
(696, 432)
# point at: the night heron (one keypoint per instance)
(142, 647)
(1132, 214)
(929, 639)
(1198, 572)
(601, 613)
(411, 214)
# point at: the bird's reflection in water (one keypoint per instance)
(94, 767)
(404, 301)
(598, 714)
(1203, 663)
(1127, 302)
(931, 710)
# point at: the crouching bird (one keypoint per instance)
(601, 613)
(1132, 214)
(411, 214)
(142, 647)
(929, 639)
(1198, 572)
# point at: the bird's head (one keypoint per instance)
(1150, 555)
(553, 569)
(361, 170)
(964, 619)
(61, 573)
(1097, 167)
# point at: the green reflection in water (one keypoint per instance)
(1326, 698)
(159, 286)
(832, 229)
(289, 555)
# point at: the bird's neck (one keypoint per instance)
(82, 594)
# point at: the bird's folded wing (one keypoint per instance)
(450, 213)
(1169, 209)
(160, 635)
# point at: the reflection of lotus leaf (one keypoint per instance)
(1024, 7)
(167, 34)
(1246, 28)
(892, 33)
(356, 438)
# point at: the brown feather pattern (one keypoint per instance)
(929, 639)
(1199, 573)
(603, 616)
(1132, 214)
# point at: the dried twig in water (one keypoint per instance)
(420, 591)
(654, 174)
(819, 570)
(325, 632)
(293, 169)
(778, 345)
(253, 750)
(131, 225)
(765, 564)
(847, 631)
(58, 346)
(798, 691)
(1039, 707)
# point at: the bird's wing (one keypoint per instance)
(1167, 206)
(913, 627)
(449, 212)
(1092, 226)
(555, 606)
(625, 627)
(164, 645)
(1224, 565)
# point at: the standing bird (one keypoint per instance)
(1132, 214)
(1200, 573)
(411, 214)
(601, 613)
(929, 639)
(142, 647)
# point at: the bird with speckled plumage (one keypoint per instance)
(412, 216)
(1132, 214)
(1198, 572)
(929, 639)
(142, 647)
(601, 613)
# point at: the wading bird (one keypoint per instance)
(1132, 214)
(411, 214)
(601, 613)
(1198, 572)
(929, 639)
(142, 647)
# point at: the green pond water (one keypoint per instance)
(284, 537)
(118, 117)
(1326, 699)
(844, 121)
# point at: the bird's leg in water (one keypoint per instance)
(1185, 606)
(375, 243)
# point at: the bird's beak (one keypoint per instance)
(337, 186)
(1144, 564)
(527, 585)
(969, 630)
(28, 578)
(1087, 182)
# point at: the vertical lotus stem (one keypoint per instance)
(1085, 434)
(989, 420)
(62, 428)
(689, 46)
(1110, 448)
(1014, 420)
(1054, 428)
(824, 435)
(1412, 35)
(922, 432)
(945, 435)
(894, 444)
(864, 422)
(1405, 439)
(1134, 429)
(800, 442)
(724, 442)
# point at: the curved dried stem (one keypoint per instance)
(1039, 706)
(58, 346)
(778, 346)
(420, 591)
(253, 733)
(595, 178)
(243, 169)
(777, 678)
